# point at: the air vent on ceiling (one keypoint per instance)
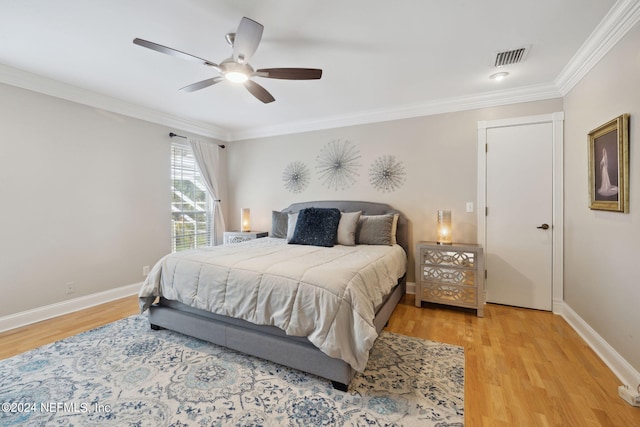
(512, 56)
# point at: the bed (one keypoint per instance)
(332, 332)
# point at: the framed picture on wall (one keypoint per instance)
(609, 165)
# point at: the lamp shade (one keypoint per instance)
(444, 228)
(245, 219)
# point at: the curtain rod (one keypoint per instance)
(171, 135)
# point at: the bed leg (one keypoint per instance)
(340, 386)
(156, 327)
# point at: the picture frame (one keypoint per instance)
(609, 166)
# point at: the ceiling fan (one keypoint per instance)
(236, 69)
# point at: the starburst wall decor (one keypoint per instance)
(338, 164)
(295, 177)
(386, 174)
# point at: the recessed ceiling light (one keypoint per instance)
(498, 76)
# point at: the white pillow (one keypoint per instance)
(394, 229)
(291, 225)
(347, 228)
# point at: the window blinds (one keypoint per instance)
(190, 202)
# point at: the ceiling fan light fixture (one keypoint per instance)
(236, 76)
(235, 72)
(236, 68)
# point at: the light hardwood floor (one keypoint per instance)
(522, 367)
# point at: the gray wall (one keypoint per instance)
(439, 153)
(84, 198)
(601, 248)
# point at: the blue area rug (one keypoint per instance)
(125, 374)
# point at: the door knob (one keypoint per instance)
(544, 226)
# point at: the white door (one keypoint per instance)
(519, 215)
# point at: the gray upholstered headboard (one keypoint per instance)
(367, 208)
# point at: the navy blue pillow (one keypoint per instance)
(316, 227)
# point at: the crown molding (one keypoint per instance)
(23, 79)
(622, 17)
(446, 105)
(47, 86)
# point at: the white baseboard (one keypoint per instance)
(557, 305)
(622, 369)
(49, 311)
(411, 288)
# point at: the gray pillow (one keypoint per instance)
(347, 228)
(316, 227)
(279, 222)
(374, 229)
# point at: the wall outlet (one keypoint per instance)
(70, 288)
(632, 397)
(145, 270)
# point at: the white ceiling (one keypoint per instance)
(381, 59)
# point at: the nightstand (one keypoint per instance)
(242, 236)
(450, 274)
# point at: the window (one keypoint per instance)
(190, 201)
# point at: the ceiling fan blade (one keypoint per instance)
(259, 92)
(173, 52)
(247, 39)
(201, 85)
(290, 73)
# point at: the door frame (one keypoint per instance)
(557, 120)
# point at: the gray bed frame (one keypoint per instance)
(270, 342)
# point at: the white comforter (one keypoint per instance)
(328, 295)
